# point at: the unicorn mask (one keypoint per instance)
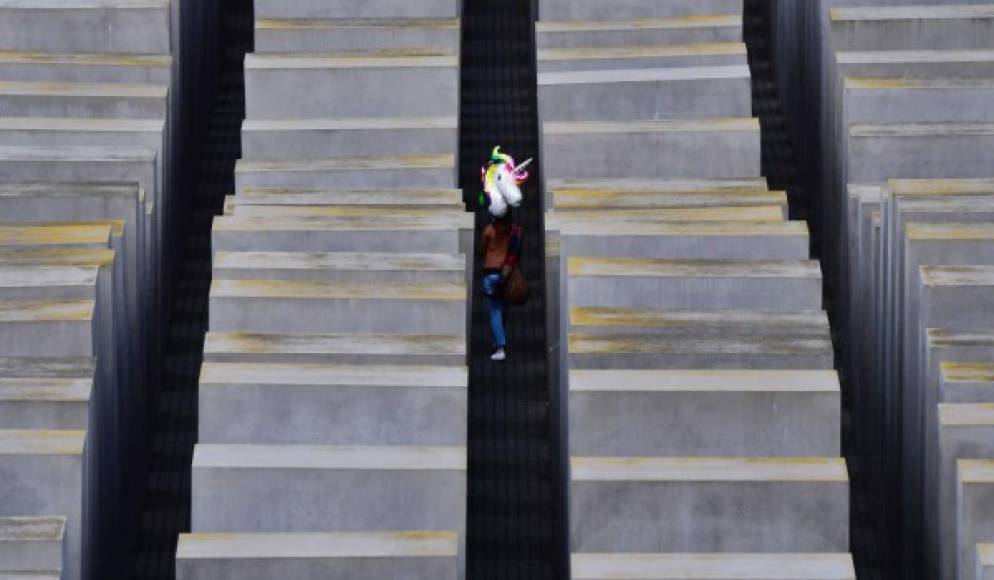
(502, 181)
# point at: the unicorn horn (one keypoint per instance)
(523, 166)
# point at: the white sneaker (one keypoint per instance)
(498, 355)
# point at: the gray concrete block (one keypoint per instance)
(343, 266)
(974, 502)
(333, 404)
(284, 488)
(337, 307)
(606, 58)
(48, 283)
(83, 100)
(942, 27)
(344, 85)
(701, 240)
(923, 64)
(431, 171)
(966, 382)
(639, 32)
(683, 413)
(700, 284)
(985, 562)
(32, 543)
(626, 95)
(710, 148)
(947, 289)
(47, 367)
(45, 404)
(624, 504)
(316, 556)
(329, 35)
(353, 349)
(614, 194)
(878, 152)
(964, 432)
(373, 9)
(64, 327)
(95, 26)
(42, 473)
(737, 323)
(593, 10)
(153, 69)
(705, 566)
(297, 140)
(434, 234)
(661, 351)
(890, 99)
(408, 198)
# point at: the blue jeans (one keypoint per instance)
(495, 301)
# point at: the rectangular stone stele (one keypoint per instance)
(32, 543)
(975, 524)
(985, 562)
(713, 566)
(641, 504)
(318, 556)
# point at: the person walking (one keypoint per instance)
(500, 248)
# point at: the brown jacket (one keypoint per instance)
(495, 246)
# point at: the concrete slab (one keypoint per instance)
(327, 35)
(42, 472)
(694, 284)
(985, 561)
(64, 327)
(603, 58)
(83, 100)
(964, 432)
(680, 413)
(32, 543)
(645, 93)
(706, 566)
(624, 504)
(700, 240)
(430, 171)
(284, 488)
(287, 234)
(881, 151)
(351, 84)
(48, 283)
(912, 27)
(897, 99)
(344, 266)
(917, 63)
(742, 323)
(398, 198)
(593, 10)
(293, 139)
(311, 306)
(112, 26)
(355, 349)
(973, 501)
(948, 288)
(53, 132)
(153, 69)
(347, 9)
(966, 382)
(348, 556)
(40, 404)
(47, 367)
(575, 219)
(582, 150)
(661, 351)
(333, 404)
(574, 195)
(639, 31)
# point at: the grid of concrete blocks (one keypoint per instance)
(909, 157)
(333, 393)
(700, 404)
(86, 101)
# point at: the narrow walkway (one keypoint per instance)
(511, 500)
(165, 507)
